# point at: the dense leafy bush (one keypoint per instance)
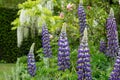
(7, 37)
(100, 64)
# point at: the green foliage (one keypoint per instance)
(96, 12)
(10, 3)
(36, 9)
(7, 37)
(5, 68)
(100, 64)
(17, 72)
(23, 59)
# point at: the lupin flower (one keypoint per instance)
(63, 51)
(46, 41)
(83, 62)
(103, 46)
(115, 74)
(82, 18)
(31, 62)
(112, 35)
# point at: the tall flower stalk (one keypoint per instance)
(83, 62)
(31, 61)
(103, 46)
(115, 74)
(82, 18)
(46, 42)
(112, 35)
(63, 51)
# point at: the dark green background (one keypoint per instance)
(8, 38)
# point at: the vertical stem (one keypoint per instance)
(46, 62)
(111, 61)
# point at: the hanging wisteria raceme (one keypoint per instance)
(31, 61)
(112, 35)
(82, 18)
(46, 41)
(115, 74)
(103, 46)
(63, 51)
(20, 36)
(83, 62)
(28, 24)
(119, 2)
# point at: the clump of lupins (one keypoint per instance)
(31, 61)
(112, 35)
(46, 41)
(83, 62)
(103, 46)
(63, 51)
(115, 74)
(82, 18)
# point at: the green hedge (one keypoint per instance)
(10, 3)
(8, 38)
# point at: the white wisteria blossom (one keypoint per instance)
(49, 5)
(24, 17)
(32, 18)
(19, 36)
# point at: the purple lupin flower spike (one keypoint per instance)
(31, 62)
(83, 62)
(112, 35)
(103, 46)
(46, 42)
(115, 74)
(63, 51)
(82, 18)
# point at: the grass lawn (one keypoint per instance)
(5, 68)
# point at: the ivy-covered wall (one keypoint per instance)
(8, 38)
